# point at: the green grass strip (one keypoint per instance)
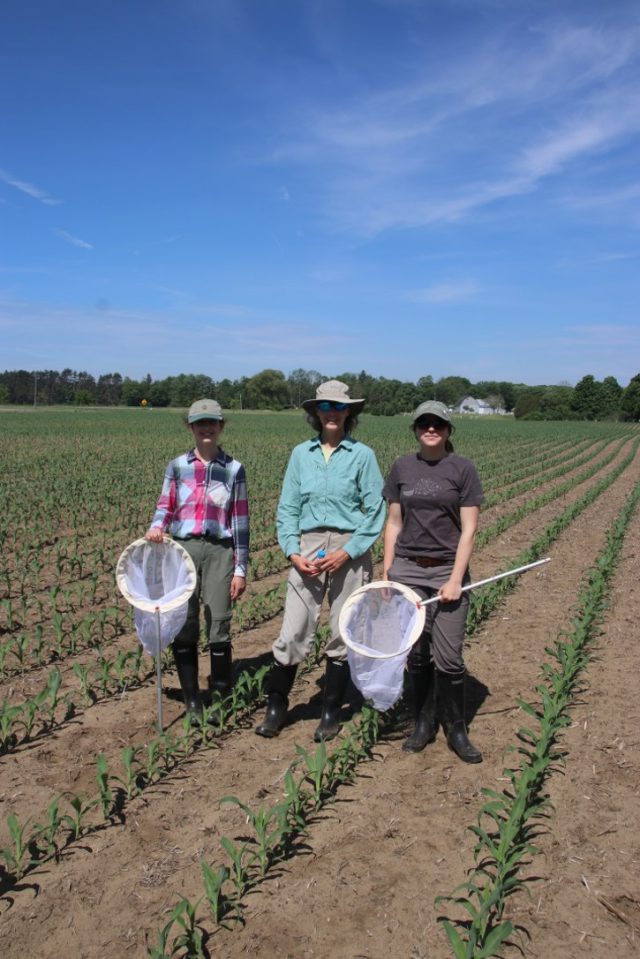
(509, 820)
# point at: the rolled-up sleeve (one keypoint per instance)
(288, 512)
(370, 484)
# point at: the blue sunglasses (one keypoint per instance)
(326, 405)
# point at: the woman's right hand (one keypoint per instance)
(154, 535)
(304, 567)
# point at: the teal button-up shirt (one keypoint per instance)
(343, 493)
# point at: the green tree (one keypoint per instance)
(611, 395)
(133, 391)
(630, 402)
(528, 403)
(267, 390)
(555, 403)
(302, 385)
(108, 389)
(451, 389)
(587, 398)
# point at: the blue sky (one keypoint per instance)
(408, 187)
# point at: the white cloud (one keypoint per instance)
(33, 191)
(445, 293)
(73, 240)
(515, 108)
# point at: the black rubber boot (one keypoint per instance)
(221, 678)
(451, 693)
(186, 660)
(335, 682)
(424, 696)
(421, 675)
(279, 683)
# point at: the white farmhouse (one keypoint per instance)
(471, 405)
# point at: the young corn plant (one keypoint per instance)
(269, 825)
(81, 806)
(106, 793)
(18, 855)
(47, 835)
(241, 857)
(190, 939)
(507, 823)
(315, 766)
(214, 880)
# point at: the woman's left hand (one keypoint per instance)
(238, 586)
(332, 562)
(450, 592)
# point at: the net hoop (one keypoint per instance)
(134, 555)
(349, 610)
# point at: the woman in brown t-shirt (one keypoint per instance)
(434, 499)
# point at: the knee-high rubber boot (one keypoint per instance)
(221, 678)
(423, 683)
(279, 683)
(335, 683)
(451, 692)
(186, 660)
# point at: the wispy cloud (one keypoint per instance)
(33, 191)
(445, 293)
(603, 336)
(73, 240)
(516, 109)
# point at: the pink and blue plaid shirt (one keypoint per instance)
(206, 499)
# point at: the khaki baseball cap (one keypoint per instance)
(204, 410)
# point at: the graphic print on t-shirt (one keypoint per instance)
(425, 487)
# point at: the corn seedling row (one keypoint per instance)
(509, 821)
(310, 782)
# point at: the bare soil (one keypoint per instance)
(362, 883)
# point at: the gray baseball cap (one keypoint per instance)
(432, 408)
(204, 410)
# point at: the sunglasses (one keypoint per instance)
(430, 424)
(326, 405)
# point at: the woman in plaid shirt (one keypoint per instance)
(203, 505)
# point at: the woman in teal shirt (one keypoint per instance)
(329, 516)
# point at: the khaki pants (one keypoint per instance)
(305, 595)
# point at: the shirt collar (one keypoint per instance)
(347, 441)
(191, 456)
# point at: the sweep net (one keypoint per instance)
(158, 580)
(379, 624)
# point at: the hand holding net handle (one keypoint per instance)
(491, 579)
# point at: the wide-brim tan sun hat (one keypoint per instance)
(334, 391)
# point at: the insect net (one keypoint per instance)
(158, 580)
(379, 624)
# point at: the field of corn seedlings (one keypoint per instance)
(118, 841)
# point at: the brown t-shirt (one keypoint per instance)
(430, 495)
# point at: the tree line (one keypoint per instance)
(590, 399)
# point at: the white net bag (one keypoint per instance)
(158, 580)
(379, 624)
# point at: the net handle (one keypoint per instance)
(490, 579)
